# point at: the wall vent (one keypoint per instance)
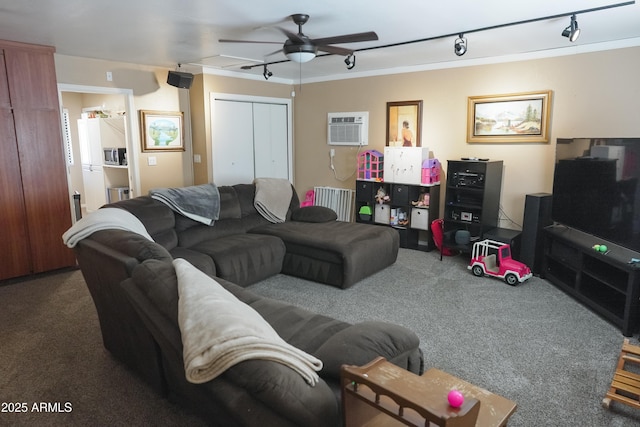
(348, 128)
(68, 142)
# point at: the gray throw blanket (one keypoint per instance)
(272, 199)
(199, 202)
(219, 331)
(104, 219)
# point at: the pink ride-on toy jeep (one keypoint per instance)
(493, 258)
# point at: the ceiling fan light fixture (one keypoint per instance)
(299, 52)
(301, 56)
(572, 31)
(460, 45)
(300, 48)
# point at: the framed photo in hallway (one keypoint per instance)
(404, 120)
(161, 131)
(511, 118)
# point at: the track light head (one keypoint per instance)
(460, 45)
(267, 73)
(350, 61)
(572, 31)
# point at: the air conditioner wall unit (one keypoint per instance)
(348, 128)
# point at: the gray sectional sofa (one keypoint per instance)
(134, 287)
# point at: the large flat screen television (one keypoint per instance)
(595, 188)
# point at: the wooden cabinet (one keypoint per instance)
(13, 233)
(608, 283)
(408, 208)
(35, 204)
(472, 199)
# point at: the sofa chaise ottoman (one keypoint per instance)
(243, 247)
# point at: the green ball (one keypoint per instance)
(603, 248)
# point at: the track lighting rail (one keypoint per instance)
(467, 32)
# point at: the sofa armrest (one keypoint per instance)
(130, 244)
(359, 344)
(314, 214)
(276, 386)
(285, 392)
(103, 269)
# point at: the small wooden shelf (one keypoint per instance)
(383, 394)
(625, 386)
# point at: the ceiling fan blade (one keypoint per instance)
(246, 41)
(336, 50)
(292, 36)
(274, 52)
(347, 38)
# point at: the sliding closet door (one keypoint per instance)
(232, 143)
(270, 141)
(251, 138)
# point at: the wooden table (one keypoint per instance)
(383, 394)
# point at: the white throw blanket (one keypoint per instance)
(104, 219)
(272, 199)
(219, 331)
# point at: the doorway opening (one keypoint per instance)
(95, 184)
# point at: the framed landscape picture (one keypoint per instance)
(161, 131)
(511, 118)
(403, 124)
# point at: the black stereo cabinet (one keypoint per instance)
(472, 200)
(608, 283)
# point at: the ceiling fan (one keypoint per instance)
(300, 48)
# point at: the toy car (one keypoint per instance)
(493, 258)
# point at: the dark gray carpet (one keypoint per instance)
(51, 352)
(530, 343)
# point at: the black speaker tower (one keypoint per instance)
(180, 79)
(537, 215)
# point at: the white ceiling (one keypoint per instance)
(168, 32)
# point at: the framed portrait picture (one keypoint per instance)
(161, 131)
(403, 124)
(511, 118)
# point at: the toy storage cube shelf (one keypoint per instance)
(370, 165)
(401, 210)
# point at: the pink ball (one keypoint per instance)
(456, 399)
